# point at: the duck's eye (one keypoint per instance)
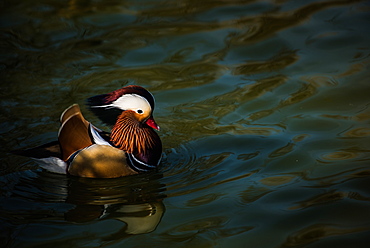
(139, 111)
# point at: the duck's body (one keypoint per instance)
(85, 151)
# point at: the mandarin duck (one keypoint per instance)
(132, 146)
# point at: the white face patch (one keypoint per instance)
(132, 102)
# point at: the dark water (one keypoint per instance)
(263, 106)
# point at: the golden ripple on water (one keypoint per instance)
(276, 180)
(204, 199)
(363, 116)
(341, 155)
(357, 196)
(338, 156)
(203, 232)
(289, 147)
(282, 150)
(262, 27)
(278, 62)
(247, 156)
(355, 68)
(320, 199)
(316, 232)
(337, 117)
(338, 178)
(233, 99)
(357, 132)
(195, 128)
(300, 137)
(320, 80)
(253, 193)
(306, 91)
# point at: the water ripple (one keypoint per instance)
(318, 232)
(263, 106)
(342, 155)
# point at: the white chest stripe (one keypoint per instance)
(96, 137)
(142, 163)
(139, 165)
(133, 164)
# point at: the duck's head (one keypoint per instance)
(134, 99)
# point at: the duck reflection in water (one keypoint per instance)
(136, 201)
(138, 204)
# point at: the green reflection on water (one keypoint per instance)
(263, 106)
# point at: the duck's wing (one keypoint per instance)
(70, 111)
(73, 136)
(74, 132)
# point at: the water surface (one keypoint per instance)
(264, 115)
